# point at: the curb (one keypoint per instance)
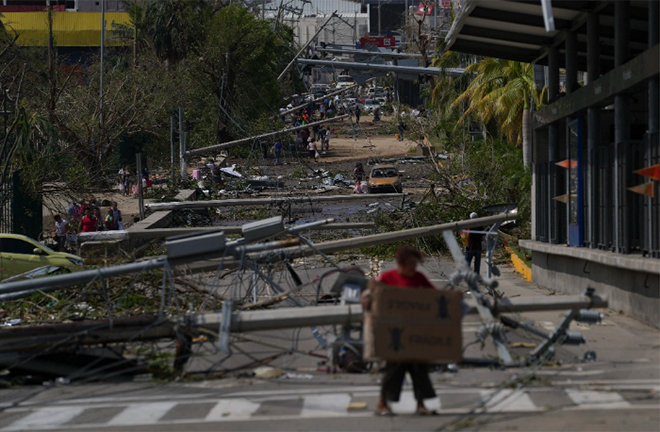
(519, 265)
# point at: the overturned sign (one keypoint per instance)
(420, 325)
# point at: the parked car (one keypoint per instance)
(319, 87)
(345, 81)
(375, 90)
(20, 254)
(370, 105)
(384, 178)
(381, 100)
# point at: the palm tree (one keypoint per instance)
(503, 91)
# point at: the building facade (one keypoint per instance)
(595, 193)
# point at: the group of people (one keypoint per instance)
(88, 218)
(128, 179)
(92, 219)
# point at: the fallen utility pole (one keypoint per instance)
(412, 70)
(268, 201)
(171, 232)
(293, 60)
(119, 235)
(355, 242)
(237, 142)
(296, 108)
(39, 337)
(385, 54)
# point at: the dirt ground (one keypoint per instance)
(344, 152)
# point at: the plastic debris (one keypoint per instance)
(354, 406)
(290, 375)
(13, 322)
(267, 372)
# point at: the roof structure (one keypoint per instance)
(515, 30)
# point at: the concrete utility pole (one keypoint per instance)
(102, 58)
(293, 60)
(296, 108)
(258, 137)
(268, 201)
(182, 147)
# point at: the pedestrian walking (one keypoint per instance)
(327, 139)
(278, 152)
(473, 248)
(357, 115)
(116, 214)
(404, 276)
(358, 173)
(313, 151)
(88, 222)
(110, 222)
(100, 225)
(401, 127)
(61, 230)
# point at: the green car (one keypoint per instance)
(20, 254)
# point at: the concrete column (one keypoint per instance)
(654, 118)
(621, 32)
(593, 132)
(621, 118)
(593, 48)
(553, 148)
(571, 62)
(553, 74)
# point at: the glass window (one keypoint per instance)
(10, 245)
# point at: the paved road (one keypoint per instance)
(618, 391)
(249, 408)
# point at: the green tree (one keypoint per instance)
(175, 28)
(238, 65)
(503, 91)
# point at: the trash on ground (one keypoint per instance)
(267, 372)
(354, 406)
(291, 375)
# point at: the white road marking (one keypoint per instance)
(407, 403)
(320, 405)
(508, 401)
(45, 418)
(325, 406)
(145, 413)
(597, 399)
(232, 409)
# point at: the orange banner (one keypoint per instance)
(652, 172)
(644, 189)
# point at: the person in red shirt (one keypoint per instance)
(88, 222)
(405, 276)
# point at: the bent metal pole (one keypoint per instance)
(234, 143)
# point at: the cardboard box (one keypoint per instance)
(413, 325)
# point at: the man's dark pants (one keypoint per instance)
(477, 259)
(393, 380)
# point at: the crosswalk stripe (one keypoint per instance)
(407, 403)
(325, 406)
(145, 413)
(232, 409)
(509, 400)
(45, 418)
(597, 399)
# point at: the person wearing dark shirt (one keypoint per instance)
(473, 249)
(405, 276)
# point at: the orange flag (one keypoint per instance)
(652, 172)
(563, 198)
(568, 163)
(644, 189)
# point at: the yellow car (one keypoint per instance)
(20, 254)
(384, 178)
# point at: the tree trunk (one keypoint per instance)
(527, 136)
